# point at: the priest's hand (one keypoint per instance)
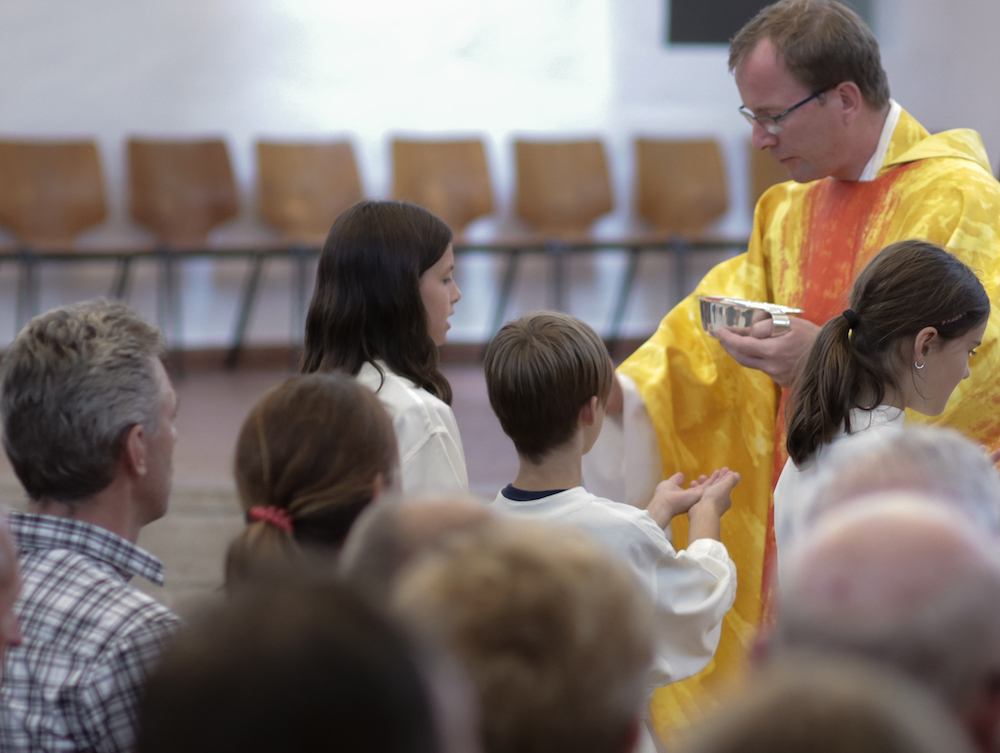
(778, 357)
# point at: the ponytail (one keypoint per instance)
(260, 546)
(834, 379)
(308, 460)
(858, 358)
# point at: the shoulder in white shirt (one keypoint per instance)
(430, 448)
(795, 488)
(692, 589)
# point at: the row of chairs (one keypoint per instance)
(50, 192)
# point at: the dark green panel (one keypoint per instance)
(717, 21)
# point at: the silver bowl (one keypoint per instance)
(719, 311)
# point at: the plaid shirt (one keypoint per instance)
(89, 638)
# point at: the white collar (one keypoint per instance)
(875, 163)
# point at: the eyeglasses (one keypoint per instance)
(770, 122)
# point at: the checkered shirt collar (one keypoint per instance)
(34, 532)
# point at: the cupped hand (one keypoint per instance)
(670, 499)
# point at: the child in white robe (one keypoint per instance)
(548, 376)
(916, 315)
(384, 291)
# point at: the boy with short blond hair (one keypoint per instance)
(549, 376)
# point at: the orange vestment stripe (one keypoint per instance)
(809, 242)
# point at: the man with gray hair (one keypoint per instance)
(87, 411)
(902, 581)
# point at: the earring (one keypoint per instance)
(918, 365)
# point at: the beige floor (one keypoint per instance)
(204, 515)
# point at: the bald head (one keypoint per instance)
(389, 535)
(902, 580)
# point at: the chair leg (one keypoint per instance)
(246, 308)
(123, 276)
(680, 283)
(24, 285)
(506, 288)
(621, 305)
(300, 293)
(168, 310)
(557, 251)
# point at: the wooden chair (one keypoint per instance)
(562, 186)
(765, 171)
(179, 190)
(451, 179)
(680, 185)
(303, 187)
(50, 192)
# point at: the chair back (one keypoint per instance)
(680, 185)
(180, 190)
(450, 179)
(303, 187)
(50, 191)
(562, 186)
(765, 171)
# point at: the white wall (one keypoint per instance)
(369, 70)
(943, 62)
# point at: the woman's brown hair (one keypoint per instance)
(312, 450)
(367, 302)
(906, 287)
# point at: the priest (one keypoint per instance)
(865, 174)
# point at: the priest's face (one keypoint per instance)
(810, 143)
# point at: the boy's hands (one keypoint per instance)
(670, 499)
(704, 515)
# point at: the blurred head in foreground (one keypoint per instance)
(908, 583)
(928, 460)
(289, 666)
(311, 455)
(555, 634)
(390, 535)
(805, 704)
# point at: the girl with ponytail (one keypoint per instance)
(311, 455)
(916, 314)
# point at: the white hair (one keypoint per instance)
(937, 462)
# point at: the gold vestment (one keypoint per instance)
(809, 242)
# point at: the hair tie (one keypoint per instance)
(852, 318)
(273, 515)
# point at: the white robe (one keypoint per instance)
(692, 589)
(796, 486)
(431, 458)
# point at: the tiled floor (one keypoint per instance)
(204, 515)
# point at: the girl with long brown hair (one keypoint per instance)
(311, 455)
(916, 314)
(384, 291)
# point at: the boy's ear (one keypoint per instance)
(588, 413)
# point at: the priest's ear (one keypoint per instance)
(849, 97)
